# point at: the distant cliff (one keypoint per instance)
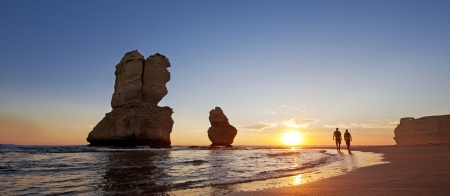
(429, 129)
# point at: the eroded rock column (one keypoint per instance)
(221, 133)
(136, 119)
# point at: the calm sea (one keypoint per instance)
(85, 170)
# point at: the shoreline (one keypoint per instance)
(344, 162)
(412, 170)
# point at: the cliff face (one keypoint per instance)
(221, 133)
(136, 118)
(430, 129)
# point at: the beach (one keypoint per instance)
(412, 170)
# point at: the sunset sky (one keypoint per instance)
(272, 66)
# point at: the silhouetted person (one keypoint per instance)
(347, 138)
(337, 135)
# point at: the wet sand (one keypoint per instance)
(412, 170)
(340, 164)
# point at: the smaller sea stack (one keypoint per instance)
(221, 133)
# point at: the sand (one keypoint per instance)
(412, 170)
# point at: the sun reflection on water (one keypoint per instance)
(298, 179)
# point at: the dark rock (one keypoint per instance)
(136, 118)
(221, 133)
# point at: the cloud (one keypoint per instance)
(83, 127)
(380, 124)
(282, 109)
(304, 123)
(338, 125)
(259, 126)
(268, 112)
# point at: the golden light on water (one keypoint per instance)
(292, 138)
(298, 179)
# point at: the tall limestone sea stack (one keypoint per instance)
(430, 129)
(221, 133)
(136, 119)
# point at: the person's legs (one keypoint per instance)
(339, 145)
(348, 144)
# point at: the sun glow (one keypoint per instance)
(292, 138)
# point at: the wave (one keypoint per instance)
(4, 148)
(196, 162)
(264, 175)
(284, 154)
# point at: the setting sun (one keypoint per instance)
(292, 138)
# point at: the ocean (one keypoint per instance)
(181, 170)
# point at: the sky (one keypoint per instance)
(272, 66)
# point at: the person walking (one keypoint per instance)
(337, 135)
(348, 139)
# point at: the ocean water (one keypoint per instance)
(85, 170)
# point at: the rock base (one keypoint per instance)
(134, 124)
(132, 142)
(423, 139)
(222, 136)
(226, 145)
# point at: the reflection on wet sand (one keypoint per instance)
(127, 173)
(346, 163)
(350, 162)
(298, 179)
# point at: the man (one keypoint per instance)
(347, 138)
(337, 135)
